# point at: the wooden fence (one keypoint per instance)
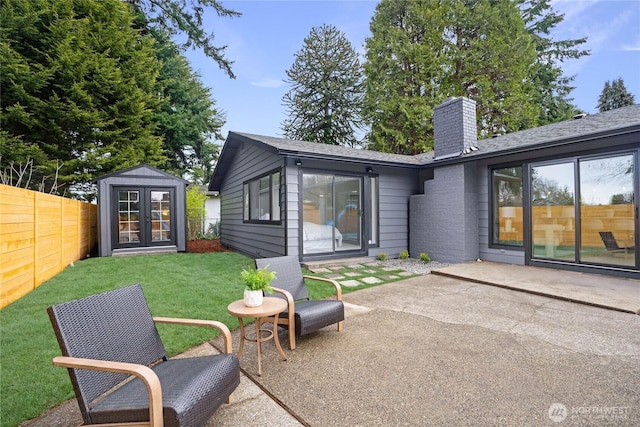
(40, 235)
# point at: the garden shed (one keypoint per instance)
(141, 209)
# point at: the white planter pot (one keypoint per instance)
(253, 298)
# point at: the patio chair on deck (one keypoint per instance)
(611, 243)
(303, 315)
(111, 337)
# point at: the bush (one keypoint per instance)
(424, 257)
(213, 232)
(195, 211)
(382, 257)
(404, 254)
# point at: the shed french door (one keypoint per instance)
(143, 217)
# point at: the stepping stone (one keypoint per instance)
(352, 274)
(320, 270)
(351, 283)
(335, 276)
(371, 280)
(390, 277)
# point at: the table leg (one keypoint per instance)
(275, 338)
(242, 338)
(259, 344)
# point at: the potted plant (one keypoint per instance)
(256, 282)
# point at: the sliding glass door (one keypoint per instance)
(331, 213)
(583, 211)
(607, 232)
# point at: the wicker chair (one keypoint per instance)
(109, 337)
(303, 315)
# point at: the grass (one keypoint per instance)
(196, 286)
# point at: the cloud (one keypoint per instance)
(268, 83)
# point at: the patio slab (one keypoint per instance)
(614, 293)
(444, 350)
(433, 350)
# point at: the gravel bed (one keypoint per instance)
(411, 265)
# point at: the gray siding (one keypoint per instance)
(257, 240)
(395, 188)
(292, 210)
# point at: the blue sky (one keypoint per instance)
(262, 44)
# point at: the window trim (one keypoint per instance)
(247, 203)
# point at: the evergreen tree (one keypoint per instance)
(185, 17)
(187, 118)
(553, 88)
(78, 90)
(614, 95)
(324, 102)
(423, 51)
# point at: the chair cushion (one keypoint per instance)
(192, 390)
(316, 314)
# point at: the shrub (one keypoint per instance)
(382, 257)
(404, 254)
(424, 257)
(195, 211)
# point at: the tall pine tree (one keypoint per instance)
(614, 95)
(325, 100)
(424, 51)
(552, 86)
(78, 90)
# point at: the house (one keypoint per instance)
(545, 196)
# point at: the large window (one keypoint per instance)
(583, 210)
(507, 206)
(262, 198)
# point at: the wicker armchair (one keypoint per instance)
(303, 315)
(109, 337)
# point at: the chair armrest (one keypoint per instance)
(287, 295)
(197, 322)
(333, 282)
(146, 375)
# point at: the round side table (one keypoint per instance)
(270, 307)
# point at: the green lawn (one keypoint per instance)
(176, 285)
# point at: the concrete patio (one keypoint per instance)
(538, 347)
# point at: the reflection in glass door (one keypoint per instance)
(331, 214)
(553, 211)
(348, 191)
(129, 216)
(607, 211)
(160, 216)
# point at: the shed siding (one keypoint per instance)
(257, 240)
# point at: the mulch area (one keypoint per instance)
(206, 246)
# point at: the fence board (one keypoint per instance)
(40, 234)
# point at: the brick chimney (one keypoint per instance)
(454, 127)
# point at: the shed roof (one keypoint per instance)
(139, 171)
